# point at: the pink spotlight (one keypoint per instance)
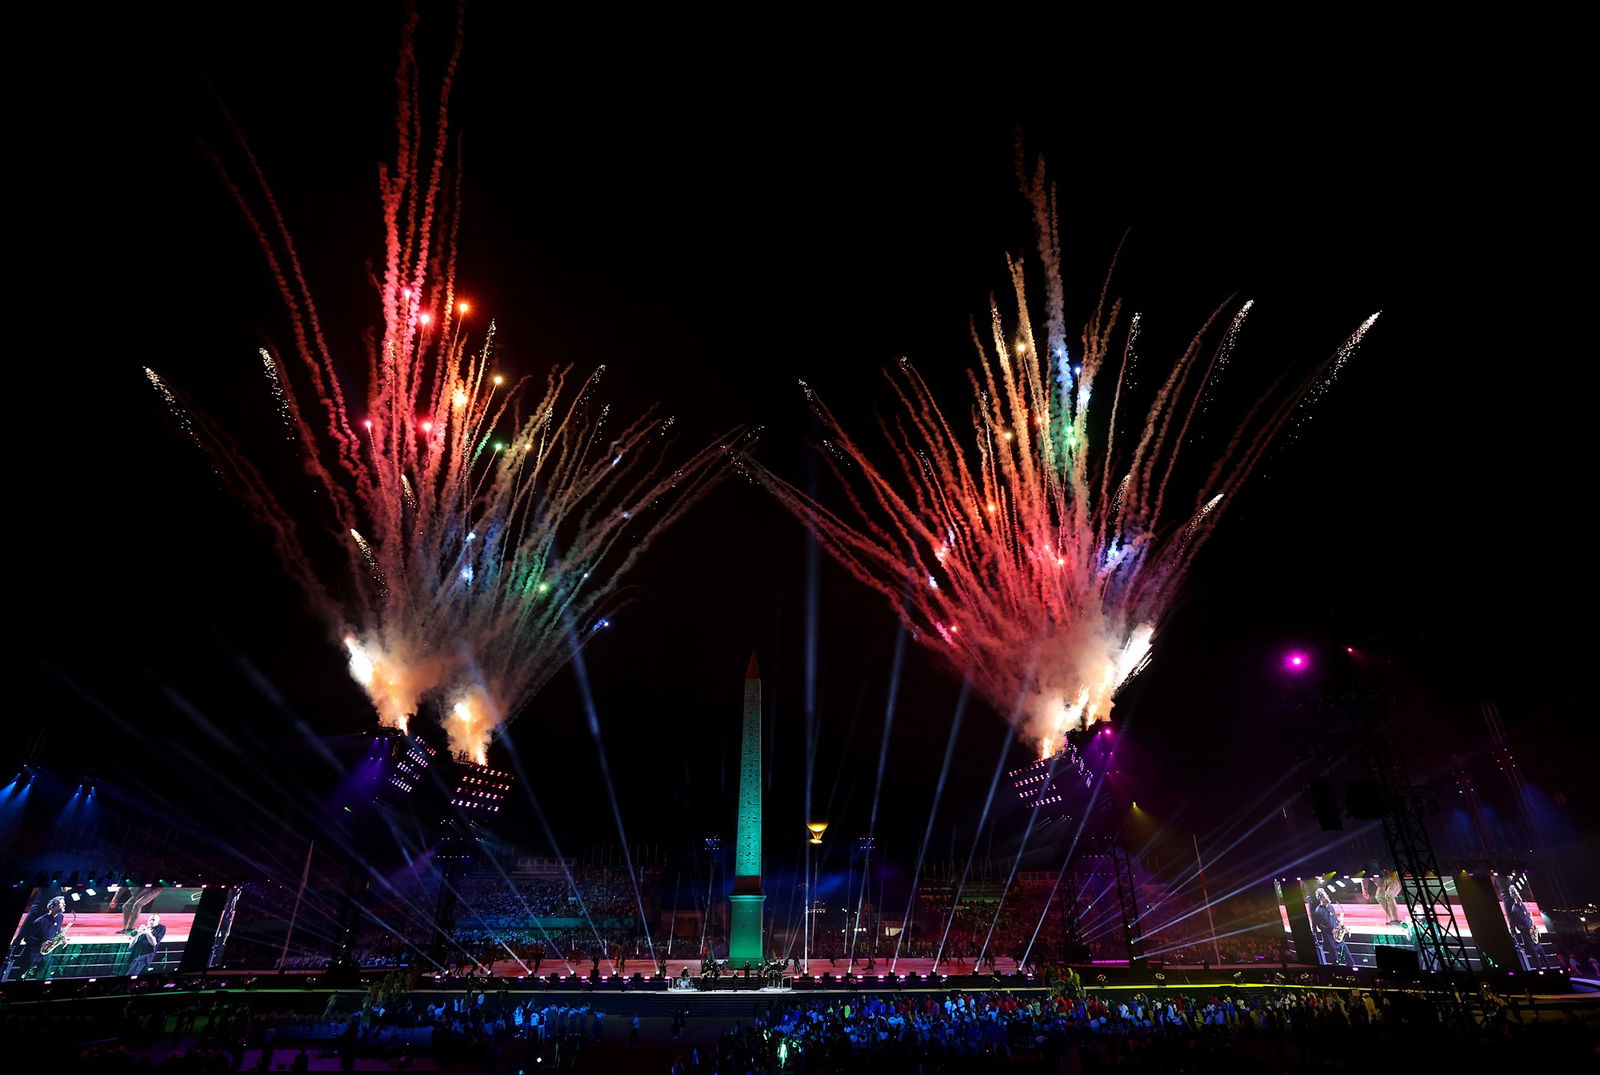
(1296, 661)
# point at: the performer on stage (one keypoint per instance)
(1327, 924)
(42, 927)
(143, 944)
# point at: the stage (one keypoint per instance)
(551, 968)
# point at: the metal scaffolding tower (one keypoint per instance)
(1127, 899)
(1387, 794)
(1404, 811)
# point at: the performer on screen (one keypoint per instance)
(1524, 932)
(1383, 887)
(1327, 924)
(132, 905)
(42, 927)
(143, 944)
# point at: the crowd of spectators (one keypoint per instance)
(207, 1033)
(1187, 942)
(496, 920)
(1577, 956)
(473, 1030)
(573, 951)
(1160, 1030)
(1157, 1028)
(1027, 927)
(595, 892)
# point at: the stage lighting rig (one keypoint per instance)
(479, 788)
(405, 761)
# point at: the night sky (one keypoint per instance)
(714, 226)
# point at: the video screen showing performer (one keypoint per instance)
(93, 931)
(1329, 929)
(1352, 915)
(1530, 933)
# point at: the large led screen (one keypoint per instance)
(91, 931)
(1352, 916)
(1531, 934)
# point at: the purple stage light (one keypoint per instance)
(1296, 661)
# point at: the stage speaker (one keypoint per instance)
(1395, 960)
(1364, 800)
(1324, 803)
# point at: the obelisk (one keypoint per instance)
(747, 899)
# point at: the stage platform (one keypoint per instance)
(743, 993)
(819, 966)
(645, 1003)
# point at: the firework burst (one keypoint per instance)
(1034, 549)
(480, 529)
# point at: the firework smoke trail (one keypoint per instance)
(1038, 561)
(472, 519)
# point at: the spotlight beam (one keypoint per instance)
(877, 786)
(549, 835)
(977, 835)
(580, 669)
(1277, 870)
(1066, 862)
(1200, 938)
(927, 833)
(1192, 873)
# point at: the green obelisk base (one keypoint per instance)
(744, 935)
